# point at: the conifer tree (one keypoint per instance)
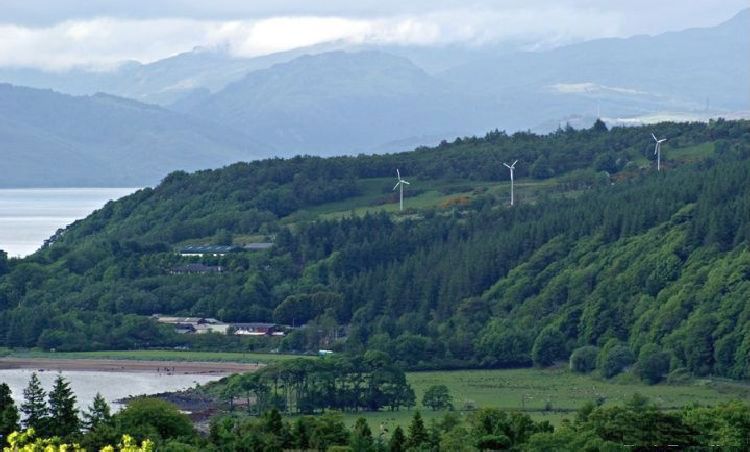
(418, 435)
(398, 441)
(8, 413)
(361, 440)
(34, 407)
(97, 414)
(63, 415)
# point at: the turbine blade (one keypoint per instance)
(654, 137)
(506, 165)
(404, 182)
(514, 163)
(396, 186)
(397, 173)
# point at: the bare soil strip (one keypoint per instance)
(123, 365)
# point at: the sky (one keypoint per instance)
(58, 35)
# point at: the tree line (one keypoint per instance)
(366, 383)
(635, 424)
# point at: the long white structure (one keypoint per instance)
(400, 185)
(657, 151)
(511, 168)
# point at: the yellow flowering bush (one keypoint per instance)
(25, 442)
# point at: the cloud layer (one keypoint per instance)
(150, 33)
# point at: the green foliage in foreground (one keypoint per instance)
(159, 425)
(637, 424)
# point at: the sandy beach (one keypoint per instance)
(126, 365)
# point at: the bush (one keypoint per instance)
(154, 418)
(549, 346)
(613, 359)
(437, 397)
(583, 359)
(652, 364)
(679, 376)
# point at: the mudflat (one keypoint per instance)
(126, 365)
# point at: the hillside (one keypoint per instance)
(459, 279)
(51, 139)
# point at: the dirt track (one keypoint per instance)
(126, 365)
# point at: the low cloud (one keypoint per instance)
(103, 43)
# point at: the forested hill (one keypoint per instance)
(599, 250)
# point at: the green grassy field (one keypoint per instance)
(548, 394)
(442, 193)
(158, 355)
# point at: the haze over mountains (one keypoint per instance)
(56, 140)
(215, 109)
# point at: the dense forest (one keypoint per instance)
(610, 262)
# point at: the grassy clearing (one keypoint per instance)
(441, 193)
(549, 394)
(161, 355)
(690, 153)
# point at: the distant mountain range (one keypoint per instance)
(339, 103)
(338, 99)
(50, 139)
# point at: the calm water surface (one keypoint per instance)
(112, 385)
(28, 216)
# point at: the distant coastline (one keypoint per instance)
(28, 216)
(126, 365)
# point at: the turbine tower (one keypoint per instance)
(657, 151)
(511, 168)
(400, 184)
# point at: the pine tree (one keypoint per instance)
(418, 434)
(398, 441)
(97, 414)
(34, 407)
(361, 440)
(63, 415)
(8, 413)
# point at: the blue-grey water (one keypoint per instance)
(112, 385)
(28, 216)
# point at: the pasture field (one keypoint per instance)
(549, 394)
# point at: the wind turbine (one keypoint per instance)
(511, 168)
(657, 151)
(400, 184)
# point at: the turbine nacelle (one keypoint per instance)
(399, 180)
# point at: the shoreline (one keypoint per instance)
(123, 365)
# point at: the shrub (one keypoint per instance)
(613, 359)
(652, 364)
(437, 397)
(583, 359)
(549, 346)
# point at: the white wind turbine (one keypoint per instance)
(400, 184)
(657, 151)
(511, 168)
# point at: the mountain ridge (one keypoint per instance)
(58, 140)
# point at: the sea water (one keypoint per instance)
(112, 385)
(28, 216)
